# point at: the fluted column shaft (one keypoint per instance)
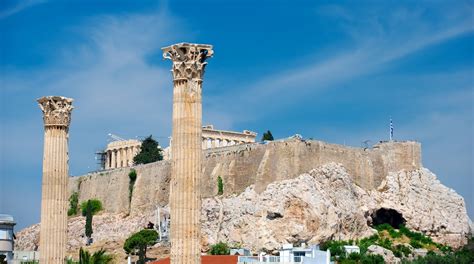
(186, 148)
(54, 200)
(186, 174)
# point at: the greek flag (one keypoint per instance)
(391, 129)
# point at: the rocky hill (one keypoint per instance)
(290, 191)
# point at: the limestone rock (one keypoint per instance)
(387, 255)
(426, 204)
(325, 203)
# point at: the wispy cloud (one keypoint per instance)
(20, 6)
(378, 44)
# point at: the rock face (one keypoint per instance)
(241, 166)
(325, 203)
(387, 255)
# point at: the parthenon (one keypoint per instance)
(120, 153)
(213, 138)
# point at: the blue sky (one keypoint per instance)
(333, 72)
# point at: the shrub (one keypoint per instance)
(372, 259)
(220, 248)
(403, 250)
(220, 186)
(73, 202)
(415, 243)
(132, 175)
(96, 206)
(366, 242)
(385, 243)
(335, 247)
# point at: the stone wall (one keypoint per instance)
(243, 165)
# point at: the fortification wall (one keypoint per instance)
(243, 165)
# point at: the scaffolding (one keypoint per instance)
(100, 158)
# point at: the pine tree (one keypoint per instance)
(149, 152)
(137, 243)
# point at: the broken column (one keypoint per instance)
(54, 200)
(189, 62)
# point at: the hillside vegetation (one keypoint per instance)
(408, 246)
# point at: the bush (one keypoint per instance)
(73, 202)
(372, 259)
(403, 250)
(132, 175)
(366, 242)
(335, 247)
(95, 204)
(385, 243)
(220, 248)
(415, 244)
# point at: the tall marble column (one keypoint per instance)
(54, 200)
(185, 193)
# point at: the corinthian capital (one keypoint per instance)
(189, 60)
(56, 110)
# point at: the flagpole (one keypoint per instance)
(391, 129)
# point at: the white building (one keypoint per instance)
(291, 255)
(6, 237)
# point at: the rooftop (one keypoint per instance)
(6, 219)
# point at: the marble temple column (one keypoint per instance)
(114, 159)
(54, 199)
(185, 193)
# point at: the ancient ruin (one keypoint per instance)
(215, 138)
(54, 200)
(120, 153)
(189, 62)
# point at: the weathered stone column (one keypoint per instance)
(185, 193)
(54, 200)
(114, 160)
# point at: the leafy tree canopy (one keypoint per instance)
(149, 152)
(267, 136)
(137, 243)
(96, 206)
(220, 248)
(99, 257)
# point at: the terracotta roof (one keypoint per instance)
(207, 260)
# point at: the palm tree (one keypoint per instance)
(99, 257)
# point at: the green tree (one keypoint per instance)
(149, 152)
(89, 220)
(132, 175)
(137, 243)
(267, 136)
(99, 257)
(73, 203)
(220, 186)
(96, 206)
(220, 248)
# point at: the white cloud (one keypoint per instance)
(22, 5)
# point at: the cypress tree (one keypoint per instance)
(89, 220)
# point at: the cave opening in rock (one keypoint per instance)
(388, 216)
